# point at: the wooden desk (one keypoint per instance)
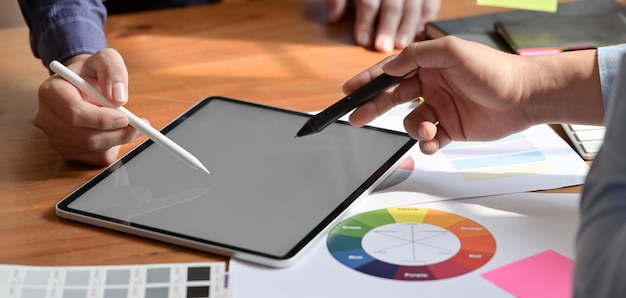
(273, 52)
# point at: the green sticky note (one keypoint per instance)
(540, 5)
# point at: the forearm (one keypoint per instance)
(563, 88)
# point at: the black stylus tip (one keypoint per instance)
(307, 129)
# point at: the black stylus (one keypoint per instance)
(324, 118)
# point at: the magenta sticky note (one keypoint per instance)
(547, 274)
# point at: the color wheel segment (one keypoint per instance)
(410, 243)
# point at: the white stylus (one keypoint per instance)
(155, 135)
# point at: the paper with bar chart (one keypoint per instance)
(534, 159)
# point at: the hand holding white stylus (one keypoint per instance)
(156, 136)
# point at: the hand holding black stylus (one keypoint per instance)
(324, 118)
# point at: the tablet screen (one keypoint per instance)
(268, 192)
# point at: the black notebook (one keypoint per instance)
(553, 34)
(481, 28)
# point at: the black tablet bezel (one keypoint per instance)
(63, 209)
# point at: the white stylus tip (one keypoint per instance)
(204, 169)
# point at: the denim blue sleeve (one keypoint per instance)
(600, 265)
(61, 29)
(608, 62)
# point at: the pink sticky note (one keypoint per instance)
(547, 274)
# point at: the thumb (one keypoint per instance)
(109, 69)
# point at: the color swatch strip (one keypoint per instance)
(167, 280)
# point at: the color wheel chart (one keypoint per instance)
(409, 243)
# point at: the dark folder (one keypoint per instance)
(481, 28)
(552, 34)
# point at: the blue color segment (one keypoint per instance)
(352, 258)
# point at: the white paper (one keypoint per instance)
(523, 225)
(535, 159)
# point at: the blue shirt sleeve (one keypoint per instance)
(61, 29)
(608, 62)
(600, 265)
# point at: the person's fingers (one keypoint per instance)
(88, 145)
(423, 125)
(365, 21)
(77, 129)
(429, 9)
(439, 53)
(365, 76)
(411, 23)
(336, 10)
(99, 158)
(107, 69)
(384, 101)
(389, 19)
(413, 122)
(373, 108)
(61, 99)
(84, 139)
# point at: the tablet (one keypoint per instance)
(269, 194)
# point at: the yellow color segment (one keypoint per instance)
(408, 214)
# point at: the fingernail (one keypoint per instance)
(403, 40)
(119, 93)
(385, 44)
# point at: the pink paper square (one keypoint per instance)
(546, 274)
